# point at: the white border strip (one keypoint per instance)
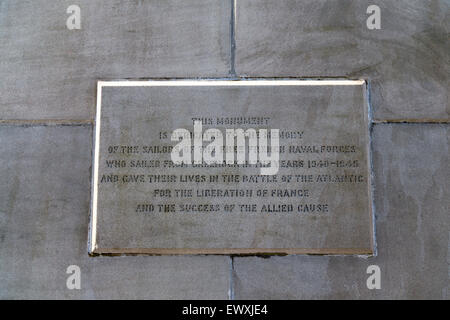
(93, 237)
(229, 83)
(181, 83)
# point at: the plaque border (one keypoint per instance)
(93, 248)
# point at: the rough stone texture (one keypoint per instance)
(407, 61)
(50, 72)
(44, 217)
(411, 205)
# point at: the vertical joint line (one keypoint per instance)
(232, 38)
(231, 288)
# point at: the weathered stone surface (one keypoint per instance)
(44, 217)
(406, 60)
(323, 129)
(50, 72)
(411, 207)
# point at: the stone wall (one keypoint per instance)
(47, 107)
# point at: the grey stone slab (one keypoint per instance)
(317, 200)
(412, 230)
(44, 217)
(406, 61)
(50, 72)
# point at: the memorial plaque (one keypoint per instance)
(231, 167)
